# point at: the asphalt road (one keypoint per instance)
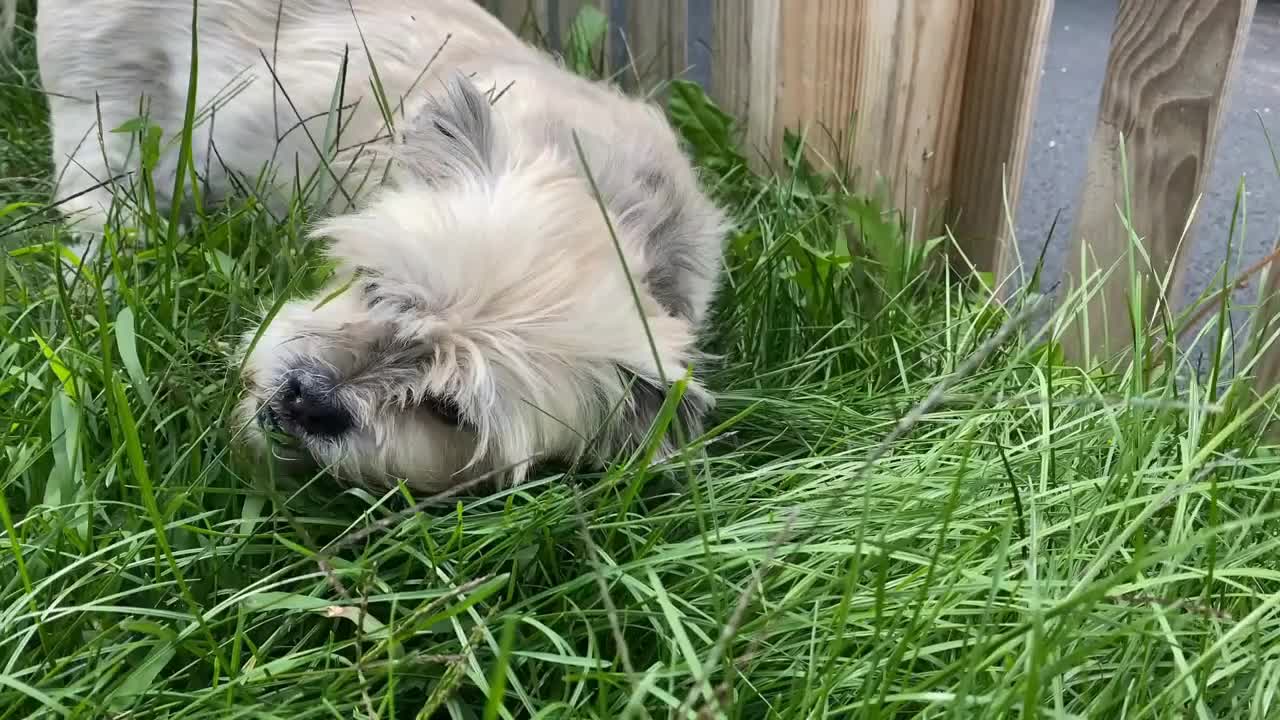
(1069, 94)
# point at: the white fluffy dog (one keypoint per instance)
(487, 320)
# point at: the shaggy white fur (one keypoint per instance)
(488, 321)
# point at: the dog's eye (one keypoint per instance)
(444, 409)
(440, 128)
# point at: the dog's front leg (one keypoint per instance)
(93, 170)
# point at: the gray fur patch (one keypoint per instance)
(453, 135)
(682, 229)
(675, 254)
(645, 403)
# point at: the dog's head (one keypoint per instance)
(480, 318)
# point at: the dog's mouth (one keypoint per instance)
(281, 440)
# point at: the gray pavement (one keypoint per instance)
(1069, 94)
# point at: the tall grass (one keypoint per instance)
(909, 503)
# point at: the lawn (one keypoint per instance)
(908, 504)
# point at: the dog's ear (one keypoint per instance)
(655, 196)
(453, 135)
(635, 420)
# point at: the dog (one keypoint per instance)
(524, 259)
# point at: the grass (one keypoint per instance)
(909, 505)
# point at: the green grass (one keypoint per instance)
(909, 505)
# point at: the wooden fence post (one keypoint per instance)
(1168, 74)
(891, 71)
(654, 42)
(1266, 370)
(1002, 80)
(646, 44)
(744, 65)
(528, 18)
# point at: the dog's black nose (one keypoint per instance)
(304, 406)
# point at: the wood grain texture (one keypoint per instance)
(1168, 75)
(645, 46)
(744, 69)
(544, 22)
(1002, 80)
(893, 71)
(528, 18)
(655, 41)
(1266, 335)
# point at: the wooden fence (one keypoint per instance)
(935, 98)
